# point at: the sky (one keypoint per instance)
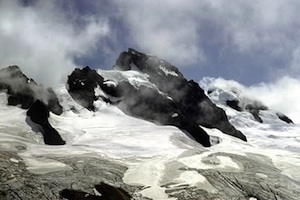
(252, 42)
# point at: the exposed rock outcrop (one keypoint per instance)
(107, 192)
(24, 91)
(172, 101)
(147, 103)
(186, 95)
(82, 84)
(39, 114)
(284, 118)
(144, 102)
(242, 103)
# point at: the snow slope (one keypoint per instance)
(161, 159)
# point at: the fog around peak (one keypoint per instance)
(282, 95)
(250, 42)
(43, 40)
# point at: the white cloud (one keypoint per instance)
(43, 40)
(281, 95)
(165, 28)
(176, 30)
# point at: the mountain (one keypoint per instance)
(165, 96)
(142, 131)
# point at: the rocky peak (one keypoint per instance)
(24, 91)
(171, 99)
(82, 84)
(187, 95)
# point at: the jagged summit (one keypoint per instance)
(142, 86)
(187, 95)
(112, 150)
(167, 98)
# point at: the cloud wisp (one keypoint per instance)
(220, 38)
(281, 95)
(195, 33)
(44, 40)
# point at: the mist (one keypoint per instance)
(281, 95)
(240, 36)
(247, 41)
(43, 40)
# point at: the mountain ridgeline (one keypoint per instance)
(24, 91)
(168, 98)
(110, 154)
(173, 101)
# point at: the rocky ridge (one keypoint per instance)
(24, 91)
(246, 175)
(172, 101)
(242, 103)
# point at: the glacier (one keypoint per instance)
(146, 159)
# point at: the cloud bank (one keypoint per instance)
(281, 95)
(237, 35)
(43, 38)
(249, 41)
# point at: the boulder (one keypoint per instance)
(107, 192)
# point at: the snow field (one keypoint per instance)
(152, 153)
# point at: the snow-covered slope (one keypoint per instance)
(272, 132)
(148, 160)
(162, 160)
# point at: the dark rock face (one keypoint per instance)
(284, 118)
(254, 107)
(82, 84)
(174, 100)
(148, 104)
(186, 95)
(234, 104)
(24, 91)
(107, 192)
(39, 114)
(144, 102)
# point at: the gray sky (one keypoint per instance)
(247, 41)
